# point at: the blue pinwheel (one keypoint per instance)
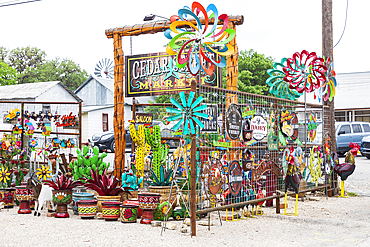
(187, 112)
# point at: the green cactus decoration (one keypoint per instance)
(81, 167)
(164, 178)
(143, 148)
(155, 142)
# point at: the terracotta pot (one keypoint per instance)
(102, 199)
(62, 198)
(80, 196)
(87, 208)
(111, 210)
(129, 213)
(134, 202)
(148, 202)
(164, 191)
(7, 196)
(24, 196)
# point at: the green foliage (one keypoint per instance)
(8, 75)
(31, 65)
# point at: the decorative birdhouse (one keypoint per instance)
(28, 129)
(63, 143)
(70, 143)
(56, 142)
(46, 129)
(17, 129)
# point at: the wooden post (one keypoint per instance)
(327, 50)
(79, 124)
(277, 202)
(232, 84)
(193, 176)
(119, 110)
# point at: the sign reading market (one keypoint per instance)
(157, 74)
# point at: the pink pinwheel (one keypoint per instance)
(305, 71)
(195, 44)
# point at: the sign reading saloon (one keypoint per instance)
(157, 74)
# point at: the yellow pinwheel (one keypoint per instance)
(4, 175)
(43, 172)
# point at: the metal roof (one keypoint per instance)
(108, 83)
(30, 90)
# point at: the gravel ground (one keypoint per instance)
(321, 221)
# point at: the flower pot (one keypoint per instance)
(7, 197)
(80, 196)
(129, 213)
(102, 199)
(87, 208)
(148, 202)
(134, 202)
(164, 191)
(62, 198)
(24, 196)
(111, 210)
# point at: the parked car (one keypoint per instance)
(346, 132)
(365, 147)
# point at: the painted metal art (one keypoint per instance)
(187, 113)
(202, 43)
(155, 142)
(327, 89)
(305, 71)
(143, 148)
(278, 86)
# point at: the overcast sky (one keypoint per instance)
(74, 29)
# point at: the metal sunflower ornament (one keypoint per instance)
(4, 175)
(43, 172)
(187, 112)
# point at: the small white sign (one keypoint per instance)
(259, 127)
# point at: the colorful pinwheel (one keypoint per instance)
(187, 112)
(192, 44)
(278, 86)
(4, 175)
(33, 143)
(327, 89)
(305, 71)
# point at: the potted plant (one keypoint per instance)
(161, 183)
(106, 185)
(62, 193)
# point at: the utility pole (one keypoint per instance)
(327, 51)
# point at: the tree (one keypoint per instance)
(32, 66)
(252, 73)
(8, 75)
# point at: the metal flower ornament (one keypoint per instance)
(4, 175)
(43, 172)
(187, 112)
(327, 89)
(195, 43)
(305, 71)
(278, 86)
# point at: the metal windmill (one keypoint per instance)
(105, 69)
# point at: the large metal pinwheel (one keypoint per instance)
(192, 44)
(327, 89)
(305, 71)
(187, 112)
(278, 86)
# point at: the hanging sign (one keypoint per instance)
(157, 74)
(259, 127)
(67, 121)
(247, 132)
(272, 142)
(235, 177)
(289, 124)
(210, 124)
(144, 118)
(233, 121)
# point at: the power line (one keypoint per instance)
(10, 3)
(345, 24)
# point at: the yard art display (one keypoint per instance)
(234, 121)
(289, 124)
(327, 89)
(187, 113)
(312, 127)
(203, 43)
(259, 127)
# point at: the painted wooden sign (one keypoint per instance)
(235, 178)
(157, 74)
(210, 124)
(144, 118)
(233, 121)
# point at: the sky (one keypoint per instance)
(75, 29)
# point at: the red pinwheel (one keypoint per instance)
(305, 71)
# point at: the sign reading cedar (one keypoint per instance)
(157, 74)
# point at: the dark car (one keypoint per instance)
(105, 141)
(365, 146)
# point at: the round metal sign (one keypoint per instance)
(235, 178)
(234, 121)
